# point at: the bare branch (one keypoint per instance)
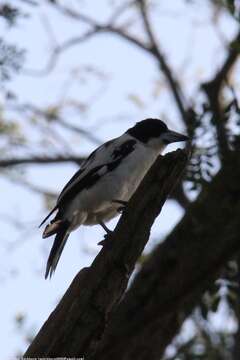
(120, 10)
(75, 15)
(97, 28)
(76, 325)
(52, 61)
(58, 120)
(33, 187)
(78, 130)
(155, 50)
(222, 75)
(213, 90)
(173, 279)
(30, 2)
(41, 160)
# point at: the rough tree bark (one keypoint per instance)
(179, 271)
(78, 322)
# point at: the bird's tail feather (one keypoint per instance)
(51, 212)
(54, 227)
(57, 248)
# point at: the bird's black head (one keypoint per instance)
(155, 132)
(147, 129)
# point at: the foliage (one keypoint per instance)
(11, 59)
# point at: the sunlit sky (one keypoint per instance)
(194, 49)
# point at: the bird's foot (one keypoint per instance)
(107, 238)
(121, 202)
(108, 231)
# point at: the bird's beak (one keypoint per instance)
(173, 136)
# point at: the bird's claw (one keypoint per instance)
(107, 238)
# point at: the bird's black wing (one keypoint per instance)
(101, 161)
(90, 174)
(97, 157)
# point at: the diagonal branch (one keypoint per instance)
(222, 75)
(179, 271)
(213, 90)
(76, 129)
(172, 81)
(77, 323)
(59, 49)
(74, 14)
(79, 39)
(96, 28)
(56, 117)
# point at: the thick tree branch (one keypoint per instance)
(77, 324)
(213, 90)
(180, 197)
(236, 347)
(180, 270)
(222, 75)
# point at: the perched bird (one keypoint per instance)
(106, 179)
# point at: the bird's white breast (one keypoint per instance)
(96, 202)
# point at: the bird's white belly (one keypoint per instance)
(95, 203)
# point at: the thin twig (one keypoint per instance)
(44, 160)
(78, 130)
(172, 81)
(97, 28)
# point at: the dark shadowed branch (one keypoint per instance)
(236, 348)
(223, 73)
(179, 196)
(179, 271)
(78, 322)
(213, 90)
